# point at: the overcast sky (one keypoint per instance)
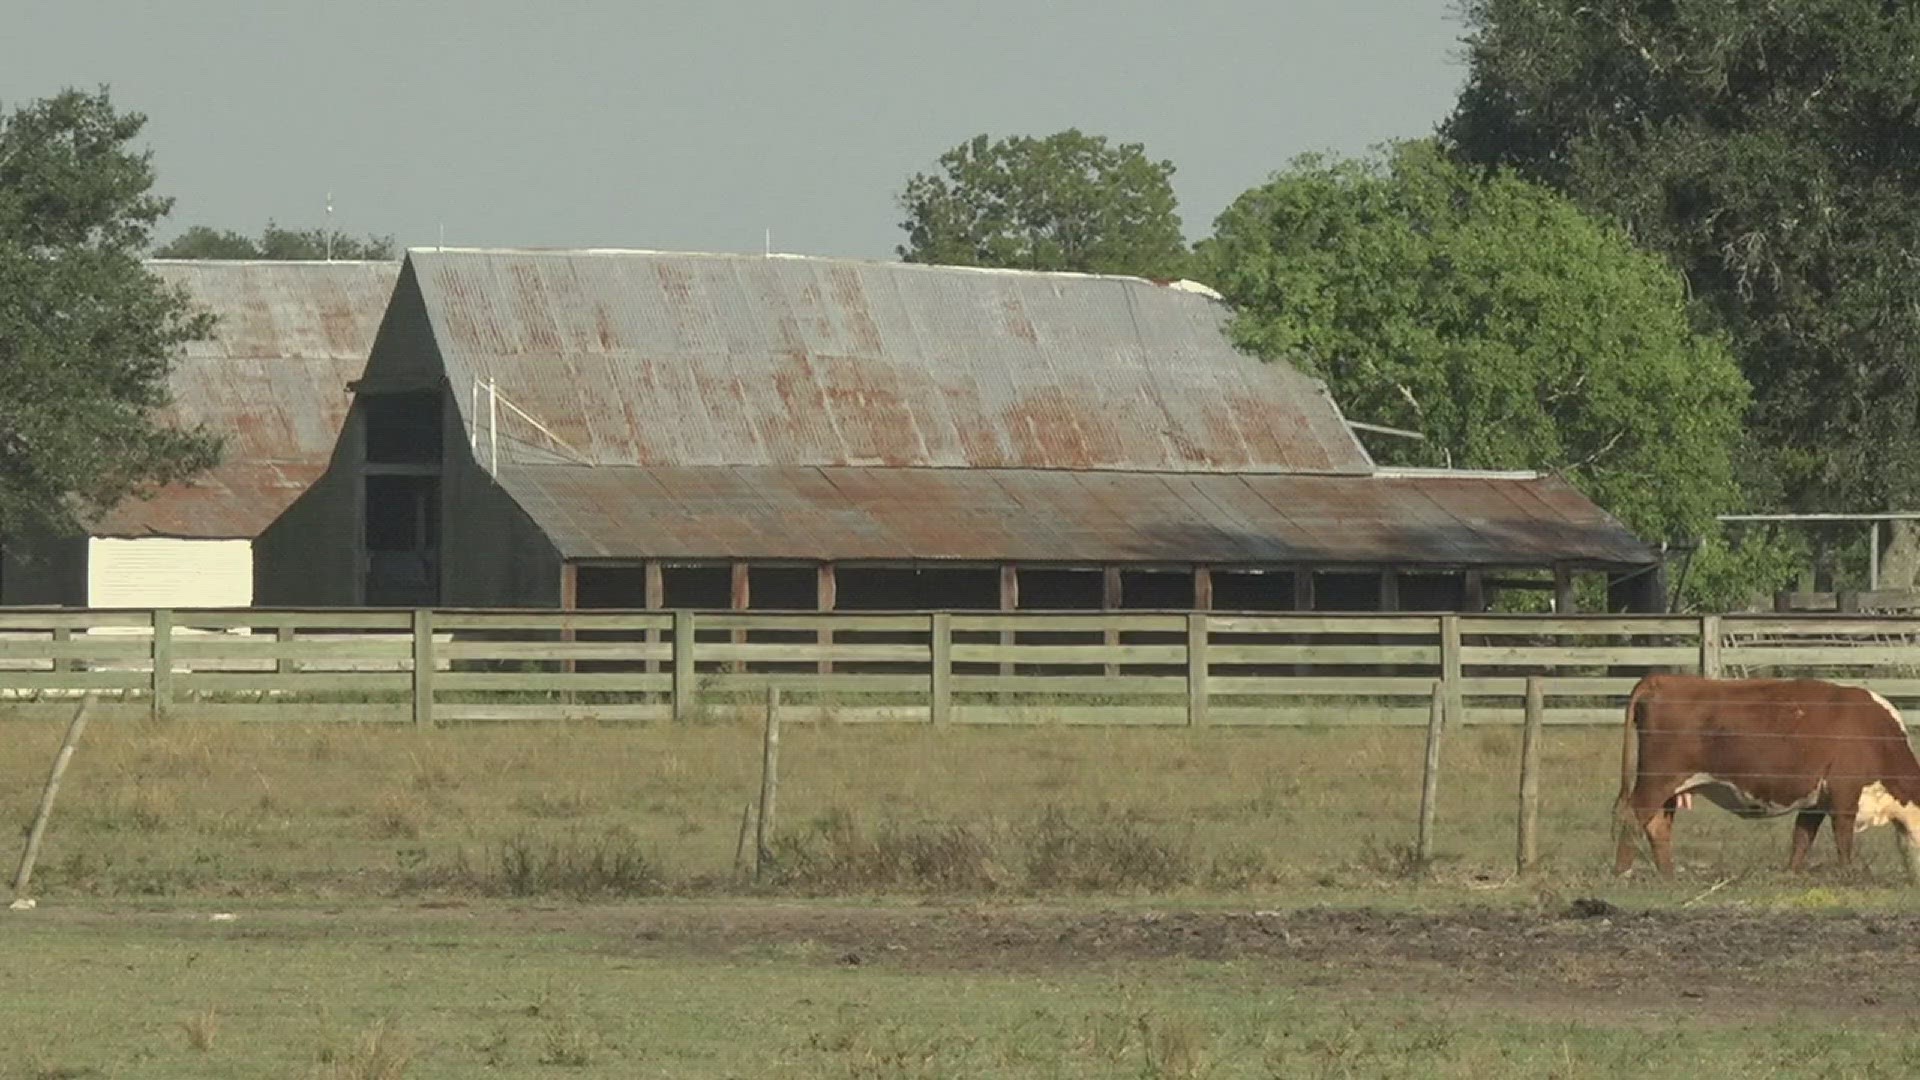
(697, 126)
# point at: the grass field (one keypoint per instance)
(562, 900)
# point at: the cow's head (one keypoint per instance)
(1878, 806)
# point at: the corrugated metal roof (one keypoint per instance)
(837, 513)
(272, 379)
(662, 359)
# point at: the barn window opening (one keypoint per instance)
(402, 429)
(403, 540)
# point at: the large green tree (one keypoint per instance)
(1069, 201)
(201, 242)
(86, 333)
(1772, 152)
(1496, 318)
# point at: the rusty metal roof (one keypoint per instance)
(884, 514)
(272, 379)
(673, 359)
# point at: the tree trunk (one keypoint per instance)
(1900, 557)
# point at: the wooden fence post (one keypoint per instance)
(683, 688)
(39, 828)
(62, 635)
(161, 688)
(1450, 671)
(1529, 841)
(1430, 777)
(940, 675)
(282, 635)
(769, 785)
(423, 667)
(1710, 646)
(1197, 669)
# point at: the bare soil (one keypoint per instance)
(1588, 957)
(1588, 960)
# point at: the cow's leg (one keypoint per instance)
(1843, 804)
(1660, 836)
(1646, 813)
(1806, 829)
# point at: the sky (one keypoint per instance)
(702, 126)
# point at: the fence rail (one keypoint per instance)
(959, 667)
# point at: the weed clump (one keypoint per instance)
(1056, 852)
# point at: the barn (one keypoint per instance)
(600, 428)
(289, 338)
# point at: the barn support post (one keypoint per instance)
(1430, 775)
(423, 664)
(1528, 843)
(569, 602)
(1203, 588)
(1110, 601)
(1197, 690)
(739, 598)
(282, 634)
(825, 595)
(1473, 586)
(654, 600)
(1009, 601)
(940, 670)
(1563, 601)
(684, 690)
(62, 662)
(161, 686)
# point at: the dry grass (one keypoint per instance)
(202, 1029)
(379, 1054)
(608, 810)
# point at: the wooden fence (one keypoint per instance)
(1180, 668)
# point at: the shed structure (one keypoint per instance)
(648, 429)
(273, 379)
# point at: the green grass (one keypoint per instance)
(216, 809)
(505, 990)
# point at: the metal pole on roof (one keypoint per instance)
(473, 418)
(493, 425)
(1873, 555)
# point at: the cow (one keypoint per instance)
(1764, 748)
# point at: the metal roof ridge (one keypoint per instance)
(1179, 284)
(1375, 474)
(1416, 473)
(271, 262)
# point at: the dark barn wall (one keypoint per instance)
(491, 552)
(44, 571)
(309, 556)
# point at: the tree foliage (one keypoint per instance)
(1068, 201)
(1772, 151)
(1495, 317)
(201, 242)
(86, 333)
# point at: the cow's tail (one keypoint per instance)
(1630, 751)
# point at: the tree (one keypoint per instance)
(1772, 152)
(86, 333)
(201, 242)
(1065, 202)
(1496, 318)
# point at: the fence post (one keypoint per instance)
(1197, 669)
(940, 674)
(683, 689)
(1456, 696)
(769, 785)
(1529, 842)
(161, 689)
(1710, 646)
(62, 635)
(38, 830)
(1430, 776)
(423, 667)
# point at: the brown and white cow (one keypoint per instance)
(1762, 748)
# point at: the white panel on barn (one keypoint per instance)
(163, 572)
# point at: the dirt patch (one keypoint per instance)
(1708, 964)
